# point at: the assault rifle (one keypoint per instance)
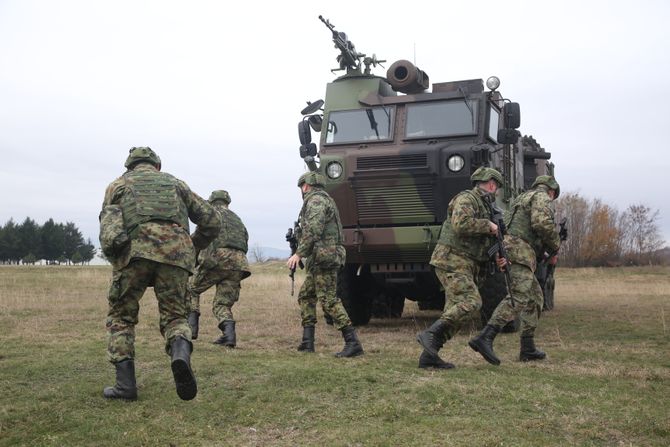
(348, 57)
(292, 239)
(545, 271)
(499, 247)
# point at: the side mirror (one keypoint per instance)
(315, 122)
(304, 132)
(508, 136)
(308, 150)
(512, 113)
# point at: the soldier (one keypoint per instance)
(224, 264)
(144, 231)
(320, 243)
(530, 231)
(460, 253)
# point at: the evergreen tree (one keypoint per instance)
(10, 243)
(72, 240)
(29, 239)
(53, 241)
(85, 253)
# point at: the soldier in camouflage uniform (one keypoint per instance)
(460, 254)
(144, 232)
(224, 264)
(320, 243)
(531, 231)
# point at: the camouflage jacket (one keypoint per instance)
(531, 228)
(320, 238)
(466, 228)
(161, 241)
(228, 251)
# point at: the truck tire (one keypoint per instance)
(387, 305)
(357, 304)
(492, 291)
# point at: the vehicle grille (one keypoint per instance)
(394, 257)
(392, 161)
(395, 204)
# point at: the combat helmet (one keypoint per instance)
(138, 154)
(312, 178)
(484, 174)
(219, 194)
(549, 181)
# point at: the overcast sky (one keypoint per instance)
(217, 91)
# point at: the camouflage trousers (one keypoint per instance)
(458, 278)
(128, 286)
(321, 285)
(227, 291)
(528, 301)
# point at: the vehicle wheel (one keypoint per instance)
(385, 305)
(357, 304)
(492, 291)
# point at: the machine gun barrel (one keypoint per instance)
(348, 57)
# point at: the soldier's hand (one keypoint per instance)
(553, 260)
(501, 263)
(493, 228)
(293, 262)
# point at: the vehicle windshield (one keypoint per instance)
(362, 125)
(441, 119)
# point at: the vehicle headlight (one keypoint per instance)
(334, 170)
(455, 163)
(493, 83)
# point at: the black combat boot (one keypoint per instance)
(125, 387)
(307, 344)
(428, 360)
(193, 318)
(528, 350)
(483, 343)
(433, 338)
(229, 338)
(352, 347)
(181, 368)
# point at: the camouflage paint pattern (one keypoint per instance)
(393, 191)
(128, 286)
(321, 285)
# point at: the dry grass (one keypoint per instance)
(606, 380)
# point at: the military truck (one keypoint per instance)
(394, 152)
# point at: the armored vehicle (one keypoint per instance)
(394, 152)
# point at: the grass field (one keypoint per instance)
(606, 380)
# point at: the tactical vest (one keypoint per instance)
(475, 246)
(153, 197)
(518, 220)
(332, 232)
(233, 234)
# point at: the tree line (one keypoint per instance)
(56, 243)
(601, 235)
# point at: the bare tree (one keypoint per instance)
(257, 254)
(641, 233)
(576, 210)
(602, 242)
